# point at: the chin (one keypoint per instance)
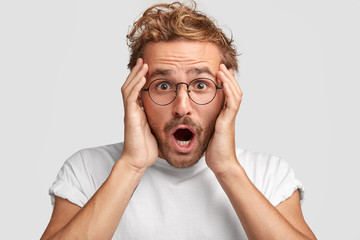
(183, 161)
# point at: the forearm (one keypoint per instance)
(258, 217)
(99, 218)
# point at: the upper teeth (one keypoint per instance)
(183, 143)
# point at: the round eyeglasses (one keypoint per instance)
(201, 91)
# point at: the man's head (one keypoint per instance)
(179, 45)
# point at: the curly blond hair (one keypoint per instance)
(164, 22)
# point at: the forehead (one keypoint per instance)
(182, 56)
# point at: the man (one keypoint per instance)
(178, 174)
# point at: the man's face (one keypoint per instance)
(182, 128)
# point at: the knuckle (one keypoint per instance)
(239, 98)
(123, 89)
(235, 108)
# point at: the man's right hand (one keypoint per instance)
(101, 215)
(140, 147)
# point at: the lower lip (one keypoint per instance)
(184, 149)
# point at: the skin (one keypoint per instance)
(99, 218)
(178, 58)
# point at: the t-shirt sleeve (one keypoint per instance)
(285, 184)
(67, 184)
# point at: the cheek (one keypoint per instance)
(220, 98)
(149, 106)
(156, 115)
(214, 108)
(217, 104)
(210, 117)
(210, 113)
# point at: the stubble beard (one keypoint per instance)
(182, 160)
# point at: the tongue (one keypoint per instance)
(183, 135)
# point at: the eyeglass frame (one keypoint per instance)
(187, 88)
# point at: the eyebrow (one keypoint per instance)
(161, 72)
(198, 71)
(167, 72)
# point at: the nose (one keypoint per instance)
(182, 104)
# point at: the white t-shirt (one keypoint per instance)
(173, 203)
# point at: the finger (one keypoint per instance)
(232, 98)
(226, 79)
(234, 80)
(133, 72)
(141, 73)
(229, 73)
(234, 86)
(133, 96)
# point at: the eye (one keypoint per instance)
(200, 85)
(164, 86)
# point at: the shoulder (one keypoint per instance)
(106, 153)
(271, 174)
(84, 172)
(256, 163)
(95, 159)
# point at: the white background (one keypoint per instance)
(62, 64)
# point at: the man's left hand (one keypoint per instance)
(220, 154)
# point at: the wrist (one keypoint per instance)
(230, 172)
(123, 166)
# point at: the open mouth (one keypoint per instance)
(183, 136)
